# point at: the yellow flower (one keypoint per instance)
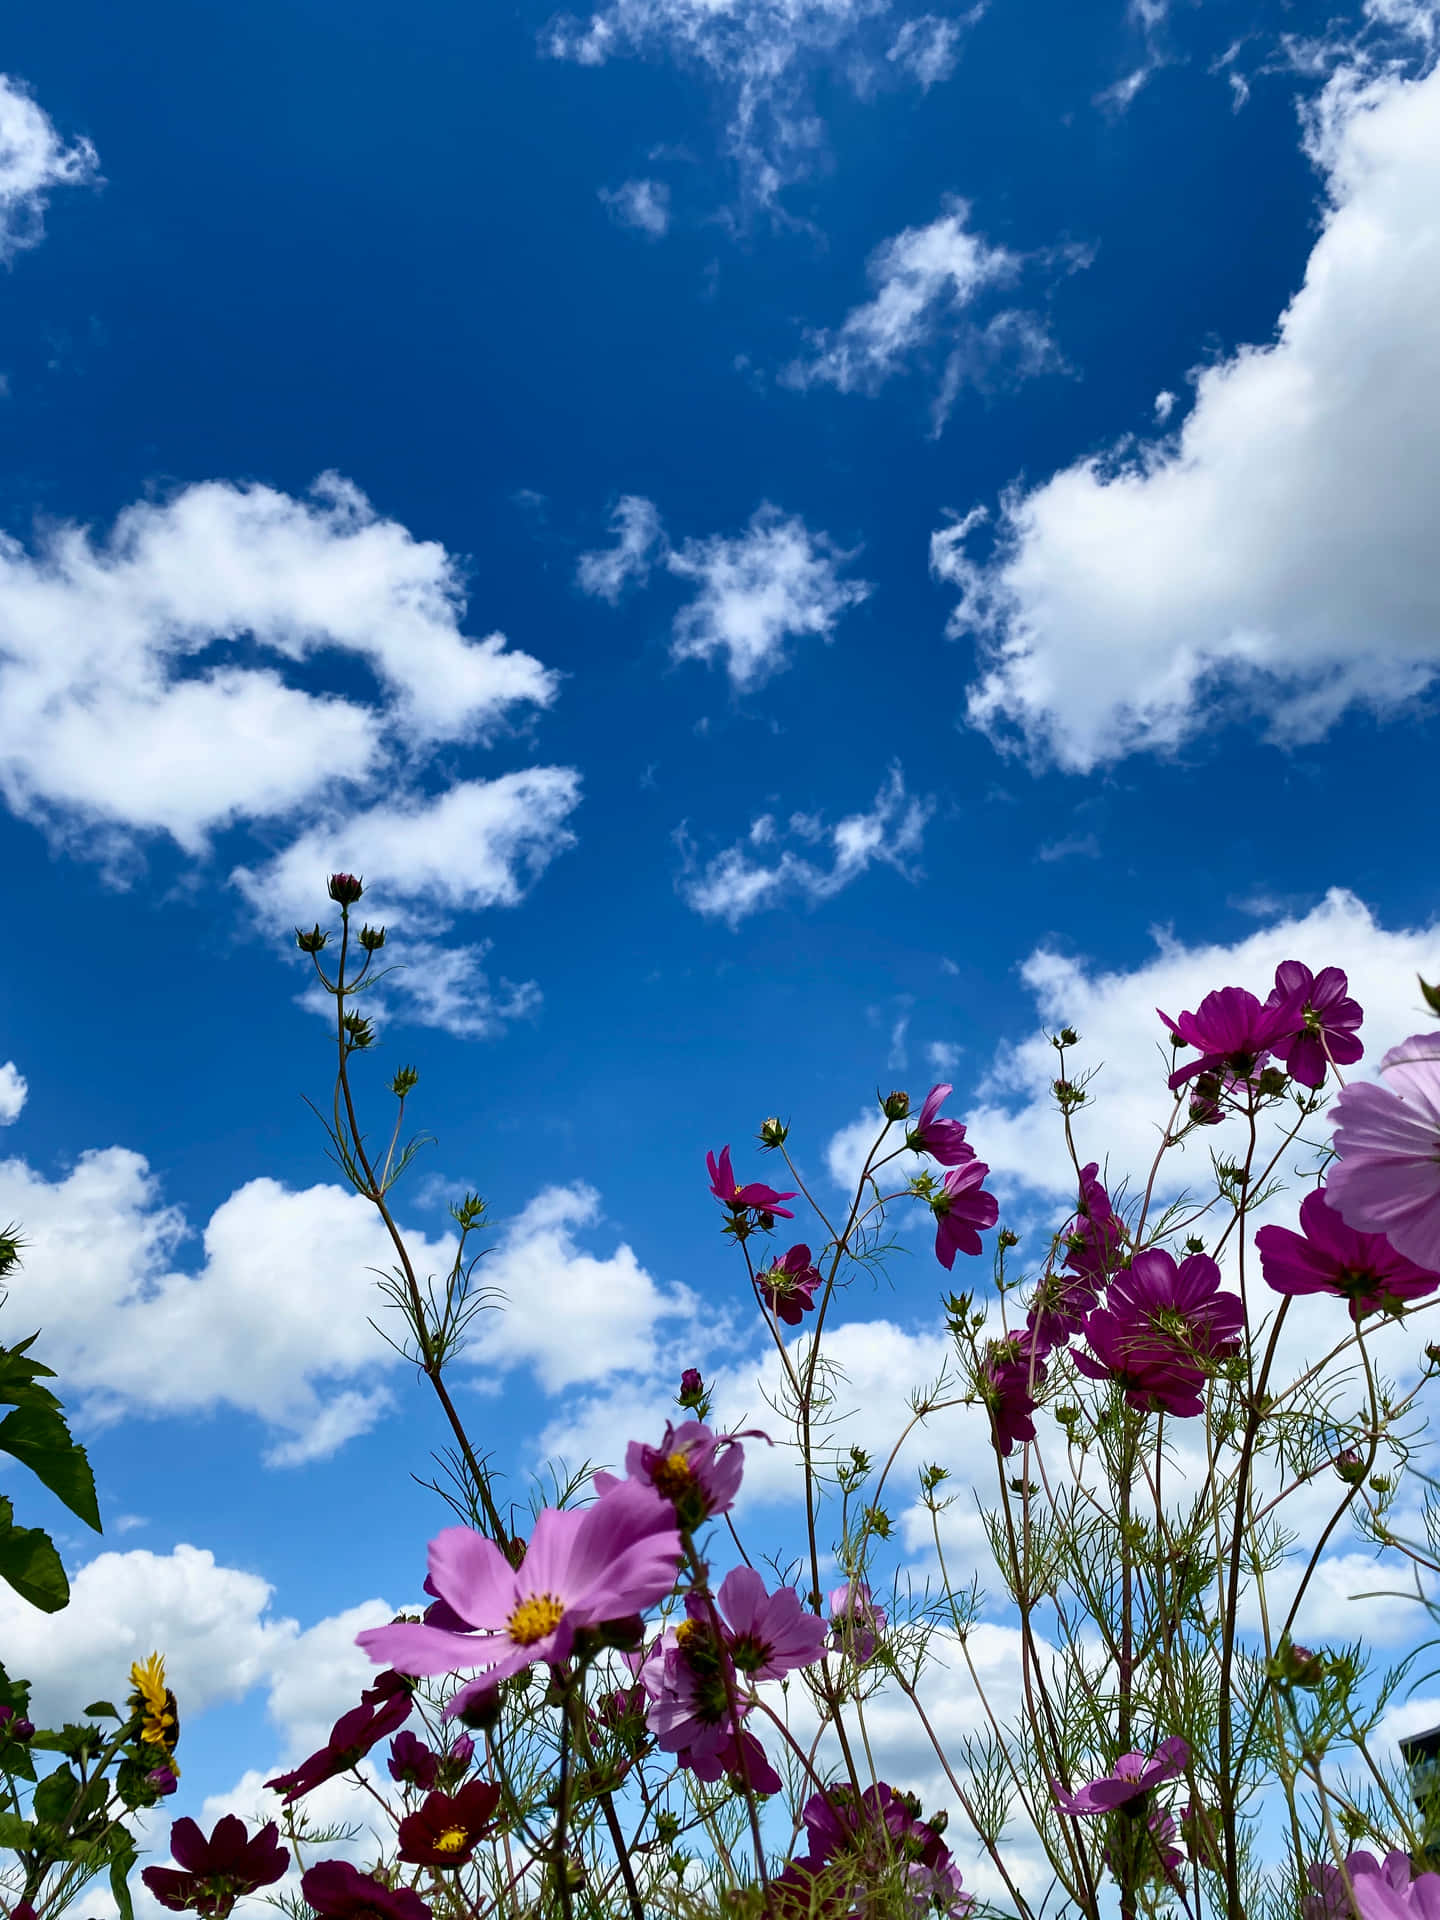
(160, 1726)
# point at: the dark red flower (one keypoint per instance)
(448, 1827)
(1326, 1019)
(788, 1287)
(382, 1709)
(217, 1870)
(412, 1763)
(338, 1891)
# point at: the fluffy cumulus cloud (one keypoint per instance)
(148, 679)
(642, 204)
(34, 160)
(762, 56)
(762, 871)
(754, 591)
(1276, 552)
(927, 280)
(13, 1091)
(569, 1315)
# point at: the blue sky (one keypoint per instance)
(952, 494)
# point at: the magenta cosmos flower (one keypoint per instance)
(1326, 1256)
(1160, 1327)
(412, 1763)
(383, 1708)
(1387, 1179)
(767, 1635)
(1012, 1371)
(218, 1870)
(943, 1140)
(1233, 1031)
(584, 1566)
(961, 1208)
(1133, 1775)
(698, 1472)
(338, 1891)
(1383, 1890)
(1327, 1018)
(756, 1198)
(788, 1287)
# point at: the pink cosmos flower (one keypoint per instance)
(1326, 1256)
(943, 1140)
(1133, 1775)
(698, 1472)
(1233, 1032)
(695, 1698)
(584, 1566)
(788, 1287)
(1160, 1327)
(768, 1634)
(856, 1844)
(1327, 1018)
(855, 1620)
(1387, 1179)
(962, 1206)
(756, 1198)
(1383, 1891)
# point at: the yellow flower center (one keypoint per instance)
(685, 1632)
(672, 1475)
(534, 1618)
(451, 1841)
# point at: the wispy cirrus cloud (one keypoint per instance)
(34, 161)
(767, 868)
(755, 591)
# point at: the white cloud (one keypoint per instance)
(755, 590)
(761, 55)
(1164, 406)
(1279, 551)
(733, 885)
(572, 1317)
(642, 204)
(33, 160)
(13, 1089)
(928, 48)
(919, 276)
(607, 571)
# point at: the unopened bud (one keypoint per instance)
(895, 1106)
(1067, 1037)
(1272, 1081)
(773, 1133)
(345, 888)
(1350, 1467)
(372, 938)
(481, 1712)
(405, 1081)
(163, 1780)
(1007, 1238)
(312, 941)
(692, 1390)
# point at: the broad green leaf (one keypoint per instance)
(14, 1832)
(97, 1708)
(121, 1864)
(55, 1796)
(39, 1438)
(30, 1564)
(19, 1374)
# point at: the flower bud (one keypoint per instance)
(692, 1390)
(163, 1780)
(1067, 1037)
(372, 938)
(773, 1133)
(22, 1729)
(1006, 1238)
(312, 941)
(1272, 1081)
(462, 1749)
(1350, 1467)
(483, 1711)
(405, 1081)
(1432, 1354)
(895, 1106)
(345, 889)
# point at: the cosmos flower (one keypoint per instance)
(698, 1472)
(788, 1287)
(767, 1634)
(217, 1870)
(1327, 1256)
(383, 1708)
(583, 1567)
(943, 1140)
(1233, 1031)
(1012, 1369)
(1133, 1775)
(962, 1206)
(855, 1620)
(412, 1763)
(447, 1828)
(338, 1891)
(1327, 1019)
(1159, 1329)
(756, 1198)
(1382, 1890)
(1387, 1178)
